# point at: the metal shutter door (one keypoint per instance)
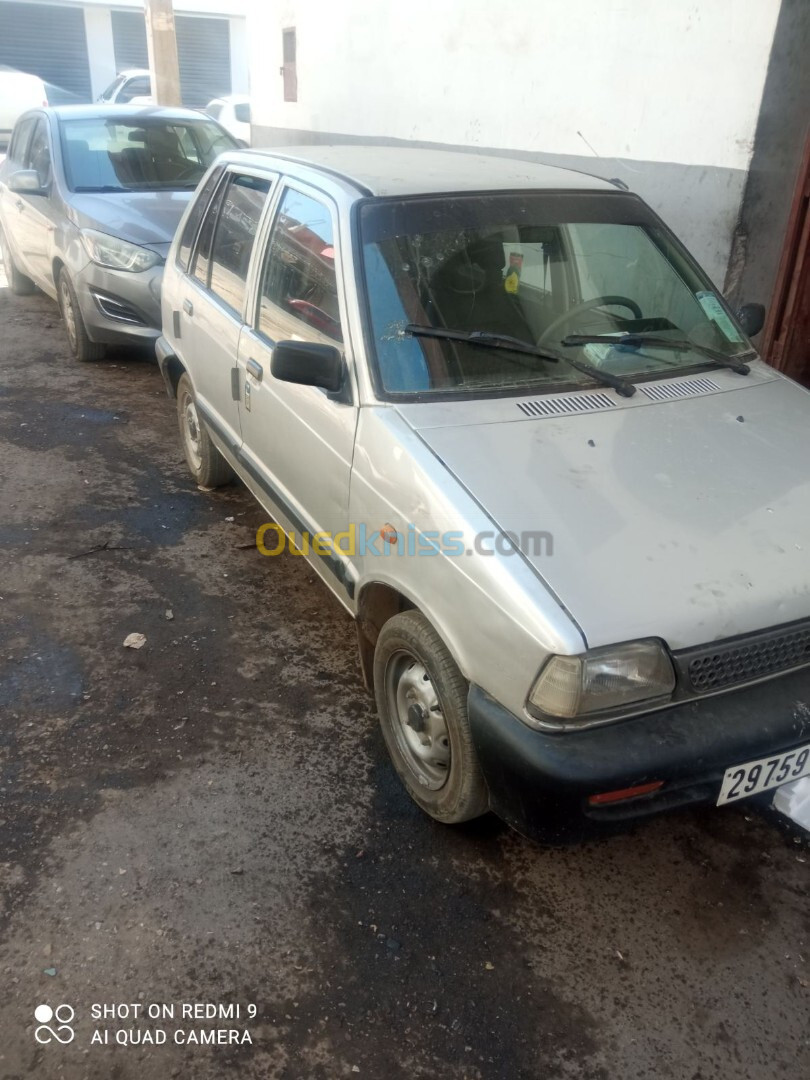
(129, 40)
(48, 41)
(204, 52)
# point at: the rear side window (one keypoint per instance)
(233, 242)
(227, 237)
(194, 219)
(19, 140)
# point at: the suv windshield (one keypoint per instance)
(545, 269)
(103, 154)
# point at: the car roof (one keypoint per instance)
(124, 112)
(397, 170)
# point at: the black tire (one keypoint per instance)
(411, 663)
(208, 467)
(80, 344)
(19, 284)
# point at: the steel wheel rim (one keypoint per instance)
(418, 721)
(68, 314)
(191, 429)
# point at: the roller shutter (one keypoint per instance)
(48, 41)
(203, 50)
(129, 40)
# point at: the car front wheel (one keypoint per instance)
(422, 703)
(80, 344)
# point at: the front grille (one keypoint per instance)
(715, 667)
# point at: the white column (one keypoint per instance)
(240, 75)
(100, 48)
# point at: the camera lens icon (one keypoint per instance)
(63, 1032)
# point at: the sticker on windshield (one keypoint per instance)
(512, 280)
(714, 311)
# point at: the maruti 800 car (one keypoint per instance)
(532, 452)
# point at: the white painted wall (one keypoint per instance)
(641, 81)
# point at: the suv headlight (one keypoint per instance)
(601, 681)
(117, 254)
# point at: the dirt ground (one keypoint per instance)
(212, 818)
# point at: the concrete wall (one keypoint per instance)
(663, 95)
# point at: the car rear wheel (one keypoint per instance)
(80, 344)
(19, 284)
(422, 703)
(208, 467)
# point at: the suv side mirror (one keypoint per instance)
(751, 318)
(26, 182)
(308, 363)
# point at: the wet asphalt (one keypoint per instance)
(211, 819)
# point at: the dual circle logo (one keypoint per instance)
(63, 1017)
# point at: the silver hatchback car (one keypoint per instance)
(529, 448)
(90, 197)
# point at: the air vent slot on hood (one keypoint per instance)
(565, 406)
(684, 388)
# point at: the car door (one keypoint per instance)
(38, 216)
(12, 204)
(298, 440)
(213, 296)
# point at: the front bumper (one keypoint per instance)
(539, 782)
(120, 307)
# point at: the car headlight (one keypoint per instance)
(573, 688)
(117, 254)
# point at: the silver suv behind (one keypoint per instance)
(529, 448)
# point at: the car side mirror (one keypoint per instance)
(309, 364)
(751, 318)
(26, 182)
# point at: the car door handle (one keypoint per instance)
(255, 369)
(188, 307)
(20, 204)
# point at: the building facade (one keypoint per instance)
(700, 106)
(80, 46)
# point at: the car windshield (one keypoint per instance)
(542, 268)
(145, 154)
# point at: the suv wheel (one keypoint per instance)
(208, 467)
(422, 702)
(80, 344)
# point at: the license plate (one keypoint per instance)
(742, 781)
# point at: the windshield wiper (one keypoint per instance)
(636, 341)
(504, 341)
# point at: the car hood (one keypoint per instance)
(143, 217)
(687, 520)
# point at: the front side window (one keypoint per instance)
(20, 138)
(39, 153)
(234, 237)
(150, 154)
(545, 269)
(299, 286)
(140, 86)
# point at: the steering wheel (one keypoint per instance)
(587, 305)
(188, 172)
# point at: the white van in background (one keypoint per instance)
(18, 93)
